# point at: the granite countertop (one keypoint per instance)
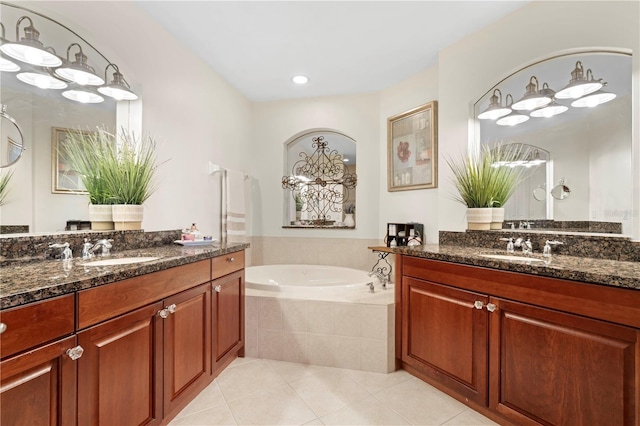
(26, 282)
(597, 271)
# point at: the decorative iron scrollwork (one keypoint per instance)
(321, 182)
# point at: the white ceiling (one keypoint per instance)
(344, 47)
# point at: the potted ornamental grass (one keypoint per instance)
(86, 152)
(129, 178)
(117, 170)
(485, 179)
(5, 178)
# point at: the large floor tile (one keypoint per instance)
(420, 403)
(470, 418)
(220, 415)
(246, 378)
(366, 412)
(277, 406)
(376, 382)
(210, 397)
(329, 391)
(291, 371)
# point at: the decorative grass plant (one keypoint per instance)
(5, 178)
(114, 168)
(489, 176)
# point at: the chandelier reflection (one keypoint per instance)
(320, 183)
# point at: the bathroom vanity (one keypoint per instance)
(130, 344)
(518, 342)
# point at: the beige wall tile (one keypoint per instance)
(294, 315)
(251, 342)
(320, 317)
(270, 344)
(374, 321)
(347, 319)
(373, 356)
(320, 349)
(294, 347)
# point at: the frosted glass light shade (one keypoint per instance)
(31, 54)
(512, 119)
(43, 81)
(8, 66)
(593, 99)
(83, 96)
(550, 110)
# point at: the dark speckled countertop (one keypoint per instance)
(26, 282)
(598, 271)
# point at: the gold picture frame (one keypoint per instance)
(412, 149)
(64, 180)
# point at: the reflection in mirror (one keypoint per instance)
(320, 180)
(591, 144)
(38, 110)
(560, 191)
(540, 193)
(11, 139)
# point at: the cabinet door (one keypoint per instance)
(228, 318)
(39, 387)
(119, 377)
(187, 345)
(549, 367)
(444, 336)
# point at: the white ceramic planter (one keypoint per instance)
(101, 217)
(127, 216)
(497, 217)
(478, 219)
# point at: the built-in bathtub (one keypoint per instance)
(320, 315)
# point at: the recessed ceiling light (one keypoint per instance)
(300, 79)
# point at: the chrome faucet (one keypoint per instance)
(103, 244)
(66, 253)
(548, 247)
(86, 249)
(527, 247)
(381, 277)
(509, 244)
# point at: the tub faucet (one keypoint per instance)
(104, 245)
(381, 277)
(372, 289)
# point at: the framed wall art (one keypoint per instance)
(412, 139)
(64, 179)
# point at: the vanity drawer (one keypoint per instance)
(37, 323)
(108, 301)
(226, 264)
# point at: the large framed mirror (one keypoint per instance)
(31, 204)
(320, 180)
(588, 175)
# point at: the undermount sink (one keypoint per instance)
(120, 261)
(512, 258)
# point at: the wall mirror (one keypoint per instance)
(590, 147)
(320, 180)
(31, 204)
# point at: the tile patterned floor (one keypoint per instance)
(264, 392)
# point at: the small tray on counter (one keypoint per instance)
(195, 242)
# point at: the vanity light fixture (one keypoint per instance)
(83, 96)
(495, 109)
(550, 110)
(596, 98)
(42, 81)
(118, 89)
(29, 48)
(579, 85)
(513, 118)
(79, 71)
(5, 64)
(300, 79)
(533, 98)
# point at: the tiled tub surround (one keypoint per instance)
(25, 282)
(354, 330)
(579, 244)
(588, 270)
(348, 252)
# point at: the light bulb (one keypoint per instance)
(81, 78)
(42, 82)
(33, 56)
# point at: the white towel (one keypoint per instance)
(235, 211)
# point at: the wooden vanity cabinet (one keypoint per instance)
(37, 375)
(227, 310)
(38, 387)
(143, 366)
(519, 348)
